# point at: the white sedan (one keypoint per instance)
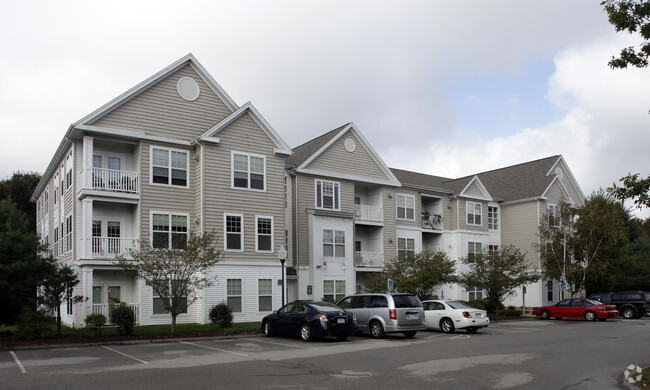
(451, 315)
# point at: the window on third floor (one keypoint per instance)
(493, 218)
(328, 195)
(405, 207)
(474, 212)
(248, 171)
(169, 167)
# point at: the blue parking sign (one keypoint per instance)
(390, 284)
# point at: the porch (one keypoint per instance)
(369, 259)
(106, 310)
(110, 247)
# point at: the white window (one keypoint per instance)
(68, 171)
(333, 290)
(169, 231)
(328, 195)
(265, 291)
(475, 294)
(233, 293)
(169, 167)
(68, 234)
(474, 211)
(333, 243)
(549, 291)
(159, 303)
(405, 207)
(234, 228)
(493, 218)
(55, 252)
(264, 234)
(405, 247)
(554, 215)
(473, 249)
(248, 171)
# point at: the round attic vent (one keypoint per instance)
(559, 173)
(350, 145)
(188, 89)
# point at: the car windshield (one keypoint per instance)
(326, 307)
(594, 302)
(406, 301)
(459, 305)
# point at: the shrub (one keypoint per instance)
(221, 314)
(32, 324)
(510, 313)
(511, 307)
(96, 322)
(122, 316)
(486, 305)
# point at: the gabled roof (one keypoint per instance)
(211, 135)
(308, 149)
(422, 181)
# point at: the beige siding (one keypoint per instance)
(160, 111)
(337, 160)
(462, 215)
(474, 190)
(519, 228)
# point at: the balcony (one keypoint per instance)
(114, 180)
(103, 308)
(368, 213)
(433, 222)
(110, 247)
(369, 259)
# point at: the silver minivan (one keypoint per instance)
(381, 313)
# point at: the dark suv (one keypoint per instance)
(631, 304)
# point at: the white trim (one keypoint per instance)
(563, 188)
(481, 188)
(225, 233)
(257, 218)
(340, 176)
(169, 214)
(169, 168)
(232, 171)
(467, 203)
(405, 208)
(337, 185)
(117, 133)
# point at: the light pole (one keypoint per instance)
(282, 255)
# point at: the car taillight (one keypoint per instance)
(393, 314)
(466, 314)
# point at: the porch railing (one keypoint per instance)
(115, 180)
(369, 259)
(369, 213)
(434, 222)
(109, 247)
(103, 308)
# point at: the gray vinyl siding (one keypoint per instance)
(555, 194)
(160, 111)
(519, 228)
(463, 215)
(244, 136)
(337, 160)
(474, 190)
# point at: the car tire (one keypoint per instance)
(545, 315)
(342, 337)
(472, 330)
(409, 334)
(377, 329)
(628, 313)
(305, 332)
(590, 315)
(447, 325)
(266, 328)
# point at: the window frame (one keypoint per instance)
(170, 232)
(475, 291)
(248, 171)
(553, 211)
(241, 232)
(239, 296)
(169, 167)
(320, 195)
(258, 235)
(264, 295)
(402, 253)
(406, 208)
(471, 254)
(154, 297)
(337, 285)
(473, 214)
(335, 245)
(493, 217)
(68, 234)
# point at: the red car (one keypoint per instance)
(588, 309)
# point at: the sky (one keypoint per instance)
(448, 88)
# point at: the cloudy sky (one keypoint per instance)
(448, 88)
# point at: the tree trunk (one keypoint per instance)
(58, 320)
(173, 329)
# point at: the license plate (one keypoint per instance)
(340, 320)
(411, 316)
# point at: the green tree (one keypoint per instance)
(632, 188)
(20, 264)
(632, 268)
(419, 274)
(632, 16)
(20, 188)
(57, 286)
(177, 276)
(497, 272)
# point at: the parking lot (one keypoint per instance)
(31, 367)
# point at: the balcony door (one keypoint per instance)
(107, 171)
(106, 238)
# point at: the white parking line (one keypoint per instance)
(274, 343)
(123, 354)
(214, 349)
(20, 365)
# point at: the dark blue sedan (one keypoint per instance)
(310, 319)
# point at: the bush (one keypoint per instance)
(510, 313)
(221, 314)
(122, 316)
(32, 324)
(486, 305)
(96, 322)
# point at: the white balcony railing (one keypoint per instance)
(115, 180)
(369, 213)
(109, 247)
(433, 222)
(103, 308)
(369, 259)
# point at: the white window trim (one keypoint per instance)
(168, 213)
(241, 235)
(405, 250)
(232, 171)
(241, 293)
(467, 213)
(495, 217)
(259, 295)
(187, 163)
(335, 184)
(257, 218)
(153, 298)
(334, 244)
(69, 236)
(405, 207)
(556, 211)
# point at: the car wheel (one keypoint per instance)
(410, 334)
(590, 315)
(628, 313)
(266, 328)
(342, 337)
(472, 330)
(447, 325)
(376, 329)
(305, 332)
(545, 315)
